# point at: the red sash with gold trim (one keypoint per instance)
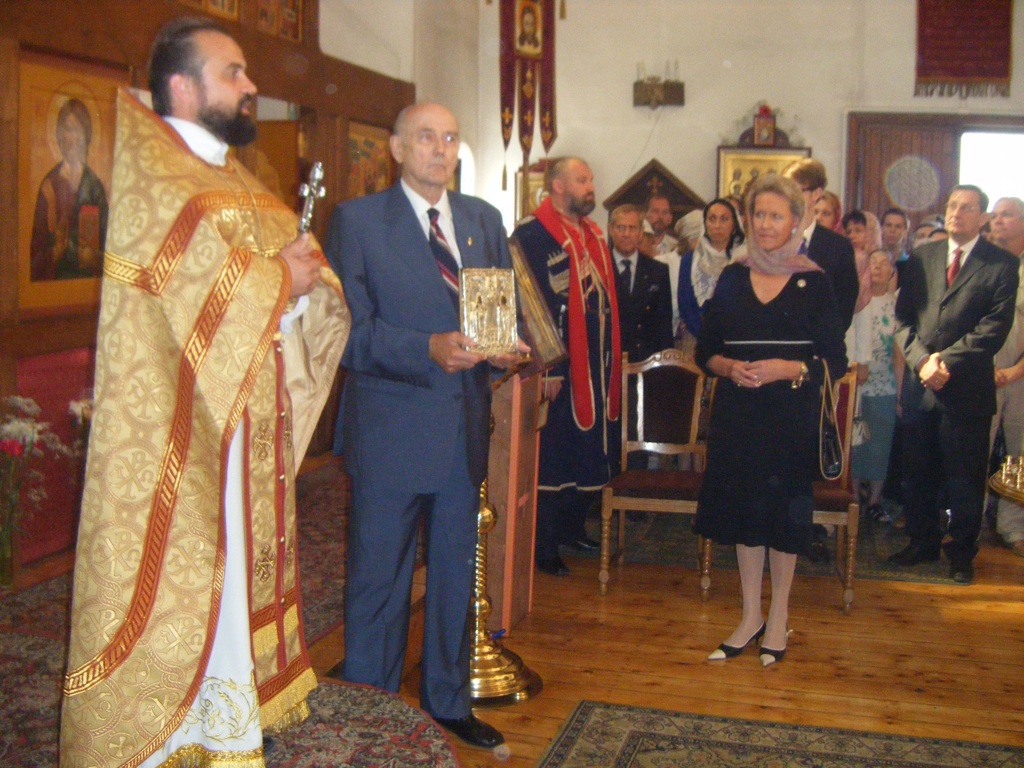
(587, 238)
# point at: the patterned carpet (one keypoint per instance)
(355, 725)
(351, 725)
(598, 735)
(662, 539)
(322, 499)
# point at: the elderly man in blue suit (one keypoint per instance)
(414, 420)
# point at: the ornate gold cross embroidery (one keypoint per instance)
(264, 565)
(263, 442)
(287, 436)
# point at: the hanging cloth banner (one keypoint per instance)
(963, 48)
(528, 65)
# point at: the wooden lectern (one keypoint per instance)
(512, 491)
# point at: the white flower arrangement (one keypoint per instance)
(80, 410)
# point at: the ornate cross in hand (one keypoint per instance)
(312, 191)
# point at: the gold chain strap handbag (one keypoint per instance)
(830, 447)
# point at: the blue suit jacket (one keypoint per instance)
(403, 420)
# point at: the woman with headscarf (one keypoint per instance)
(864, 232)
(767, 334)
(865, 235)
(880, 379)
(688, 229)
(699, 268)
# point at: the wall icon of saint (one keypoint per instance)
(529, 31)
(69, 227)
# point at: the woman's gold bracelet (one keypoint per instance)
(804, 375)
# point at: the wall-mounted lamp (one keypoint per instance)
(654, 91)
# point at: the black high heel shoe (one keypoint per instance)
(729, 651)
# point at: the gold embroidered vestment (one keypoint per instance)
(189, 349)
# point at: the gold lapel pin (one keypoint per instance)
(469, 241)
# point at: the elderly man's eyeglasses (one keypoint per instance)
(953, 207)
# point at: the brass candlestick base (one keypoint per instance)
(496, 676)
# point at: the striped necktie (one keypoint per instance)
(443, 256)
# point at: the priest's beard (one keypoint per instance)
(235, 128)
(580, 206)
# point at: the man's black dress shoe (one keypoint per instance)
(473, 731)
(962, 573)
(552, 566)
(912, 554)
(586, 544)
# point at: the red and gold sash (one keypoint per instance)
(585, 240)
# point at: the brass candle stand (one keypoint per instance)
(1009, 480)
(497, 676)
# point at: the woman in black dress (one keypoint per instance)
(767, 333)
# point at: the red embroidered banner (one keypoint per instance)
(527, 66)
(548, 128)
(963, 48)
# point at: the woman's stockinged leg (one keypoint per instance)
(782, 566)
(751, 567)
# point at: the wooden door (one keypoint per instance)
(909, 160)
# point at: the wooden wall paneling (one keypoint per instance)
(113, 32)
(117, 32)
(8, 180)
(327, 141)
(324, 137)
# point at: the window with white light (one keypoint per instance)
(993, 161)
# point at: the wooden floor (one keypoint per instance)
(916, 659)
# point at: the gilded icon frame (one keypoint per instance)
(370, 166)
(738, 166)
(46, 83)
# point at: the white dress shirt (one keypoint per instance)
(965, 251)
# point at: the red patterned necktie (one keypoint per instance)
(954, 267)
(443, 256)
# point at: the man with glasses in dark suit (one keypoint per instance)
(954, 311)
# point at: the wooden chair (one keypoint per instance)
(835, 502)
(662, 401)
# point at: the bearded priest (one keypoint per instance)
(219, 336)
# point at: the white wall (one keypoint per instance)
(447, 51)
(816, 60)
(375, 34)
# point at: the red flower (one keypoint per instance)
(765, 111)
(12, 447)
